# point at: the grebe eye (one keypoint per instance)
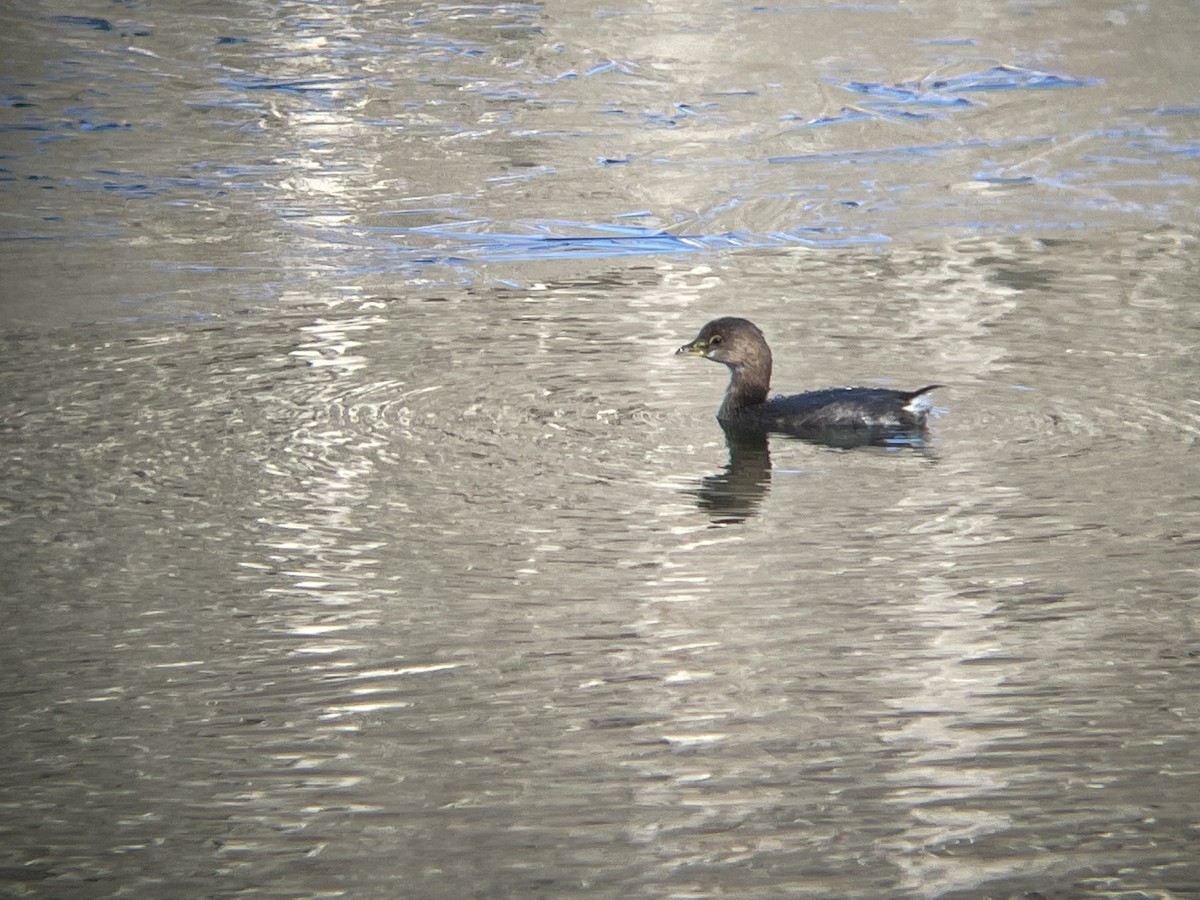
(714, 340)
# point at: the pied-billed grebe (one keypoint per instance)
(740, 345)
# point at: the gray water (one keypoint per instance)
(361, 536)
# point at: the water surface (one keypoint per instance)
(360, 534)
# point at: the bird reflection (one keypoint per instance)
(734, 494)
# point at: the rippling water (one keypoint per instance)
(360, 534)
